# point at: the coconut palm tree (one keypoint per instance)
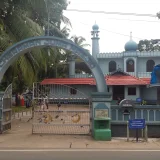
(80, 65)
(22, 19)
(80, 41)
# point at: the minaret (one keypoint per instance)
(95, 41)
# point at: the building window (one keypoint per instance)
(130, 66)
(132, 91)
(150, 64)
(112, 66)
(73, 91)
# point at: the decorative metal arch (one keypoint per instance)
(20, 48)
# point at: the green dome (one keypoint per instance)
(95, 27)
(131, 46)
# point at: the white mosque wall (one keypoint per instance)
(104, 64)
(131, 97)
(149, 93)
(140, 64)
(142, 61)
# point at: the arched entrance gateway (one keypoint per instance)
(22, 47)
(12, 53)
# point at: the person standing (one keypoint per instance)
(42, 104)
(27, 102)
(59, 105)
(46, 101)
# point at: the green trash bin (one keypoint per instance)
(102, 129)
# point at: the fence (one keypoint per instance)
(21, 113)
(71, 117)
(150, 113)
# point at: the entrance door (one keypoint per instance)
(118, 91)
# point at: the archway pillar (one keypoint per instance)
(101, 115)
(71, 61)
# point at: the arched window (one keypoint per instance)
(149, 65)
(112, 66)
(130, 65)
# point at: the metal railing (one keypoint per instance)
(151, 113)
(21, 113)
(80, 75)
(68, 111)
(144, 74)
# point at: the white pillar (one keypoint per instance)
(71, 61)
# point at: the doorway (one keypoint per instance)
(118, 91)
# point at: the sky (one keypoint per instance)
(115, 29)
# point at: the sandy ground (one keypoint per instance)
(21, 137)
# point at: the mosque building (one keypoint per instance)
(127, 73)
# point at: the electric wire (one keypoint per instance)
(114, 32)
(119, 13)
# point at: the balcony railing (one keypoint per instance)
(129, 54)
(144, 74)
(140, 75)
(80, 75)
(131, 73)
(110, 55)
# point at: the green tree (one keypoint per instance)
(80, 65)
(80, 41)
(21, 19)
(149, 45)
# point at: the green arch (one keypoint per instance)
(12, 53)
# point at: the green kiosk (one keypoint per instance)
(101, 116)
(101, 123)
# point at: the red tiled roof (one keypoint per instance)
(147, 80)
(89, 81)
(124, 80)
(110, 80)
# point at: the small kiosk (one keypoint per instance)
(101, 123)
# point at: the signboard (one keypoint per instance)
(126, 103)
(139, 100)
(136, 123)
(101, 113)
